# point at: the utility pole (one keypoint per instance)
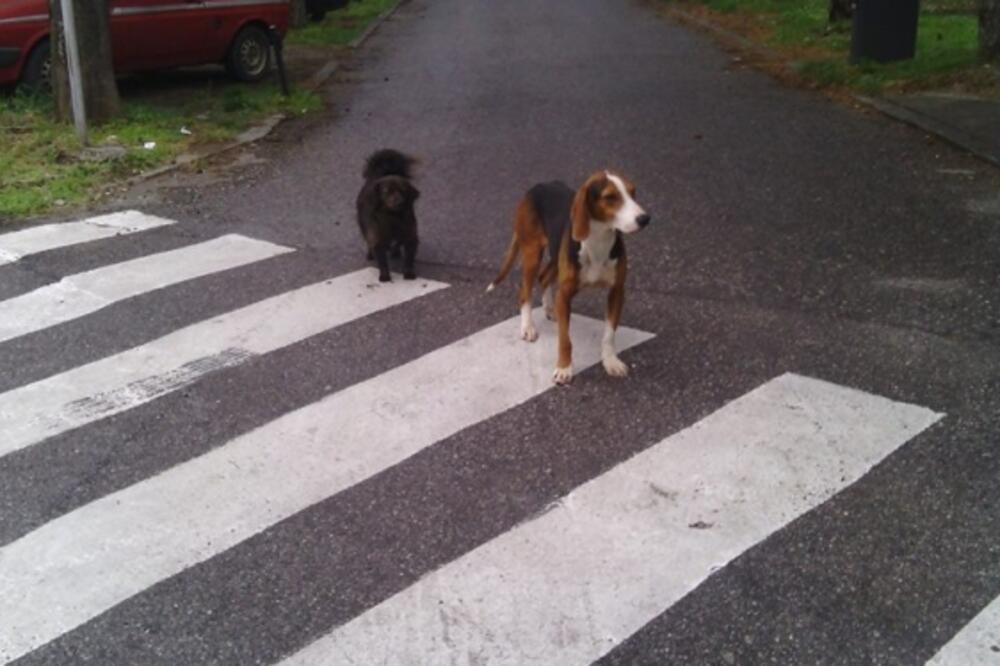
(74, 71)
(83, 76)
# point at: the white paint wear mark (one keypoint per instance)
(31, 413)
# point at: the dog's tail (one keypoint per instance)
(508, 263)
(388, 162)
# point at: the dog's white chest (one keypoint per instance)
(597, 268)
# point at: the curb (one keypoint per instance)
(953, 135)
(258, 132)
(373, 26)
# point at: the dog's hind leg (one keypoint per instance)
(531, 261)
(547, 282)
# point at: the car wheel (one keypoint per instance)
(249, 56)
(36, 77)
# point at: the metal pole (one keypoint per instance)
(73, 71)
(276, 45)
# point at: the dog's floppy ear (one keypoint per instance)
(412, 193)
(579, 214)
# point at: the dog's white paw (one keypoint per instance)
(563, 375)
(614, 366)
(529, 332)
(548, 304)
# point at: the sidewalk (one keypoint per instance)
(969, 122)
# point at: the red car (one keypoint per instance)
(150, 34)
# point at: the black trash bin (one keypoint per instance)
(885, 30)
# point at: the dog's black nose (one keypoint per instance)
(642, 220)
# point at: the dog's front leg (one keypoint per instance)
(613, 365)
(409, 258)
(381, 252)
(563, 373)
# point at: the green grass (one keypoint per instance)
(340, 27)
(946, 44)
(40, 159)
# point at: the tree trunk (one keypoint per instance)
(299, 16)
(989, 29)
(841, 10)
(93, 35)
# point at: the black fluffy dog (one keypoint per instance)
(385, 211)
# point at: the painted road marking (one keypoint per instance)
(81, 294)
(18, 244)
(978, 643)
(83, 563)
(33, 412)
(619, 550)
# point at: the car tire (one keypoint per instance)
(249, 57)
(36, 77)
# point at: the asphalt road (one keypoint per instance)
(790, 234)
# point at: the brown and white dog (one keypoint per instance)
(583, 232)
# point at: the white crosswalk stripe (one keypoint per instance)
(16, 245)
(978, 644)
(81, 294)
(618, 551)
(47, 407)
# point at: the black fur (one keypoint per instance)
(552, 202)
(385, 211)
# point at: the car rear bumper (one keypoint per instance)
(328, 5)
(9, 57)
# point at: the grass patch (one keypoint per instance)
(41, 166)
(947, 44)
(340, 27)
